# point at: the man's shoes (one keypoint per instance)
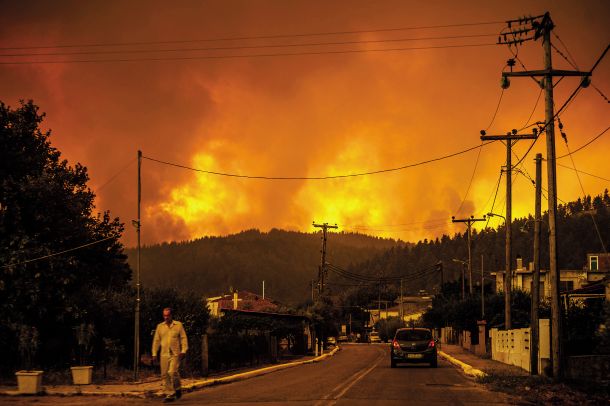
(178, 393)
(169, 398)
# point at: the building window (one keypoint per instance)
(566, 286)
(593, 263)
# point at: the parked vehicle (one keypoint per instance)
(413, 345)
(342, 338)
(374, 337)
(331, 342)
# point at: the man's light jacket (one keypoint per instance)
(171, 338)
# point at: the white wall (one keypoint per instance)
(513, 346)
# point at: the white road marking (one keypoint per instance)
(344, 386)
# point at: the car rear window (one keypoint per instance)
(413, 335)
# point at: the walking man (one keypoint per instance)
(171, 337)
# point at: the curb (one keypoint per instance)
(257, 372)
(468, 369)
(187, 388)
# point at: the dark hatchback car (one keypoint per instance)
(413, 345)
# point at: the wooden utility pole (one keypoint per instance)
(439, 266)
(510, 138)
(136, 333)
(312, 291)
(463, 264)
(519, 31)
(482, 290)
(535, 336)
(322, 269)
(402, 314)
(469, 222)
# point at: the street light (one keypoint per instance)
(496, 215)
(464, 265)
(524, 227)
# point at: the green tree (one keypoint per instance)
(46, 208)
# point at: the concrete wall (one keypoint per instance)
(513, 346)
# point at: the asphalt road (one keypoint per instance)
(356, 375)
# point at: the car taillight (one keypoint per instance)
(431, 344)
(395, 344)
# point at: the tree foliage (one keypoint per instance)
(576, 237)
(46, 208)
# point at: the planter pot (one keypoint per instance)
(82, 375)
(29, 382)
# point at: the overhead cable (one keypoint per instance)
(239, 47)
(242, 176)
(57, 253)
(255, 37)
(585, 144)
(241, 56)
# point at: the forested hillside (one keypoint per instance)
(286, 260)
(576, 231)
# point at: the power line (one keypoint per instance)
(583, 172)
(236, 175)
(385, 279)
(566, 103)
(474, 171)
(113, 177)
(242, 47)
(394, 225)
(572, 62)
(395, 230)
(58, 253)
(582, 188)
(256, 37)
(494, 197)
(241, 56)
(493, 204)
(496, 111)
(586, 144)
(527, 124)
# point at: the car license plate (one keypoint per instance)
(415, 356)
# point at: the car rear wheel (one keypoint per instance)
(392, 363)
(434, 363)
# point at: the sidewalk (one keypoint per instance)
(474, 365)
(153, 388)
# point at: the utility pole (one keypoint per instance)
(536, 277)
(541, 27)
(440, 269)
(322, 269)
(464, 264)
(312, 291)
(510, 138)
(469, 222)
(482, 290)
(402, 314)
(137, 224)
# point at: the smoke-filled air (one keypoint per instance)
(304, 90)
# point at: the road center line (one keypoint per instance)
(344, 386)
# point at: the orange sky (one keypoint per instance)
(307, 115)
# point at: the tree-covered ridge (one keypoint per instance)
(576, 233)
(286, 260)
